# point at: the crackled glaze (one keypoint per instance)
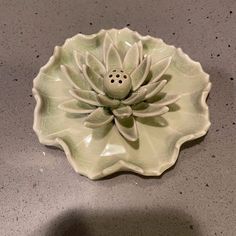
(117, 100)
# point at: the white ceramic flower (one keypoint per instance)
(119, 101)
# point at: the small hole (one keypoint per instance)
(114, 70)
(110, 75)
(112, 81)
(117, 76)
(121, 71)
(120, 81)
(125, 76)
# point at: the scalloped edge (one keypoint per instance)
(119, 165)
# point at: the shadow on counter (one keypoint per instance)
(162, 222)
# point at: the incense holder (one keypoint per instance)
(117, 100)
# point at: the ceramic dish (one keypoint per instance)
(117, 101)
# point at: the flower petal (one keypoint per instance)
(140, 49)
(98, 118)
(79, 59)
(86, 96)
(75, 78)
(108, 102)
(159, 86)
(95, 64)
(76, 107)
(148, 87)
(135, 97)
(125, 39)
(148, 110)
(167, 100)
(122, 112)
(106, 44)
(127, 128)
(139, 75)
(113, 33)
(113, 58)
(94, 79)
(159, 68)
(131, 59)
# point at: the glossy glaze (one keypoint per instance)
(140, 131)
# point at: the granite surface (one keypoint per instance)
(40, 194)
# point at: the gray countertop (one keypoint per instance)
(40, 194)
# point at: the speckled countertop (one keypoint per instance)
(40, 194)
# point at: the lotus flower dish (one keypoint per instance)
(117, 101)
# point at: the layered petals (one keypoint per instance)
(108, 102)
(127, 128)
(122, 112)
(139, 75)
(135, 97)
(149, 110)
(168, 99)
(113, 59)
(95, 64)
(94, 79)
(158, 69)
(106, 45)
(86, 96)
(152, 88)
(76, 107)
(131, 59)
(79, 59)
(159, 86)
(140, 50)
(98, 118)
(75, 78)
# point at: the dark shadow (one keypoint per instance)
(134, 144)
(166, 77)
(173, 107)
(157, 121)
(157, 97)
(159, 222)
(192, 143)
(101, 132)
(54, 148)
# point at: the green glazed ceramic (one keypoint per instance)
(116, 101)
